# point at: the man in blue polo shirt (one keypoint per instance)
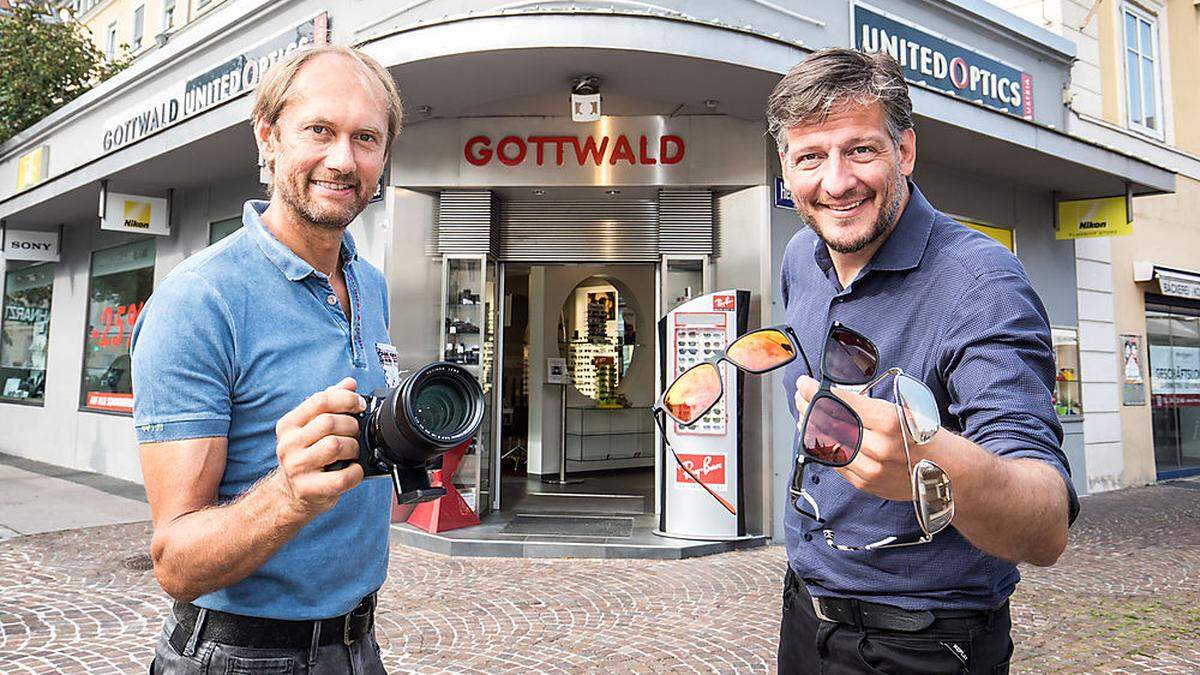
(952, 308)
(246, 364)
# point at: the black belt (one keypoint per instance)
(251, 631)
(887, 617)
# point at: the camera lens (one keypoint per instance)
(437, 407)
(440, 407)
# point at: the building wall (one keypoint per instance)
(1166, 233)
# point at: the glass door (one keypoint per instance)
(1173, 334)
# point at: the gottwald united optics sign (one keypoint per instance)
(212, 87)
(940, 63)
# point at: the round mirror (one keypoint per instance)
(597, 336)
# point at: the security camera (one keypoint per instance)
(585, 85)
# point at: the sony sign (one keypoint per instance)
(31, 245)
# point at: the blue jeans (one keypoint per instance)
(207, 656)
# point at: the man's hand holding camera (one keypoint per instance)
(310, 437)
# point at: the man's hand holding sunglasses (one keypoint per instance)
(881, 466)
(1015, 509)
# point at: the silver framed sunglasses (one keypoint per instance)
(933, 502)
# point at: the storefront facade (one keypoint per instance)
(512, 234)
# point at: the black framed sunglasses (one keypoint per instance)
(831, 432)
(698, 389)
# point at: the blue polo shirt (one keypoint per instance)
(954, 309)
(235, 337)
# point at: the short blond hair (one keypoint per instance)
(273, 90)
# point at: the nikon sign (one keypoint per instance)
(208, 89)
(937, 62)
(135, 213)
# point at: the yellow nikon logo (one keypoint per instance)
(137, 215)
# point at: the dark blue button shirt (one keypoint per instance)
(954, 309)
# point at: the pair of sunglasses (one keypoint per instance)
(932, 499)
(698, 389)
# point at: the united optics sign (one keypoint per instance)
(937, 62)
(212, 87)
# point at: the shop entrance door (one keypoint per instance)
(598, 319)
(1173, 332)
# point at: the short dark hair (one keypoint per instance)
(831, 78)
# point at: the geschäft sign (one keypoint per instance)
(210, 88)
(940, 63)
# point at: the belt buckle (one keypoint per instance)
(346, 639)
(368, 606)
(816, 602)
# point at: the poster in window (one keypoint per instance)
(121, 281)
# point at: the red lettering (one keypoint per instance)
(589, 148)
(540, 142)
(483, 155)
(622, 150)
(106, 315)
(642, 156)
(958, 72)
(667, 157)
(506, 158)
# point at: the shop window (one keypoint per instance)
(120, 283)
(1173, 335)
(25, 333)
(219, 229)
(1004, 235)
(1066, 363)
(1141, 71)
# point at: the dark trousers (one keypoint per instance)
(810, 646)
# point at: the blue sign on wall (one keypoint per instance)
(936, 62)
(783, 198)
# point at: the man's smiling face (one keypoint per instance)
(328, 147)
(847, 176)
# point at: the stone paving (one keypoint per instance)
(1124, 598)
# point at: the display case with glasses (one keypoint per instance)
(1067, 399)
(468, 338)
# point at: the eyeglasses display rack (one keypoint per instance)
(712, 447)
(468, 339)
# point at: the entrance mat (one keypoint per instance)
(569, 526)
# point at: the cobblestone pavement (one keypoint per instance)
(1124, 598)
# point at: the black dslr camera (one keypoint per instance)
(403, 429)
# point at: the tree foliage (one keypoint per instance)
(47, 59)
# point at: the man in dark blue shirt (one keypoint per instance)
(952, 308)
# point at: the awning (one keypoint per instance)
(1173, 282)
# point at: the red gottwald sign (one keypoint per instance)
(710, 469)
(573, 150)
(724, 303)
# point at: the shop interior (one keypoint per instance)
(599, 319)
